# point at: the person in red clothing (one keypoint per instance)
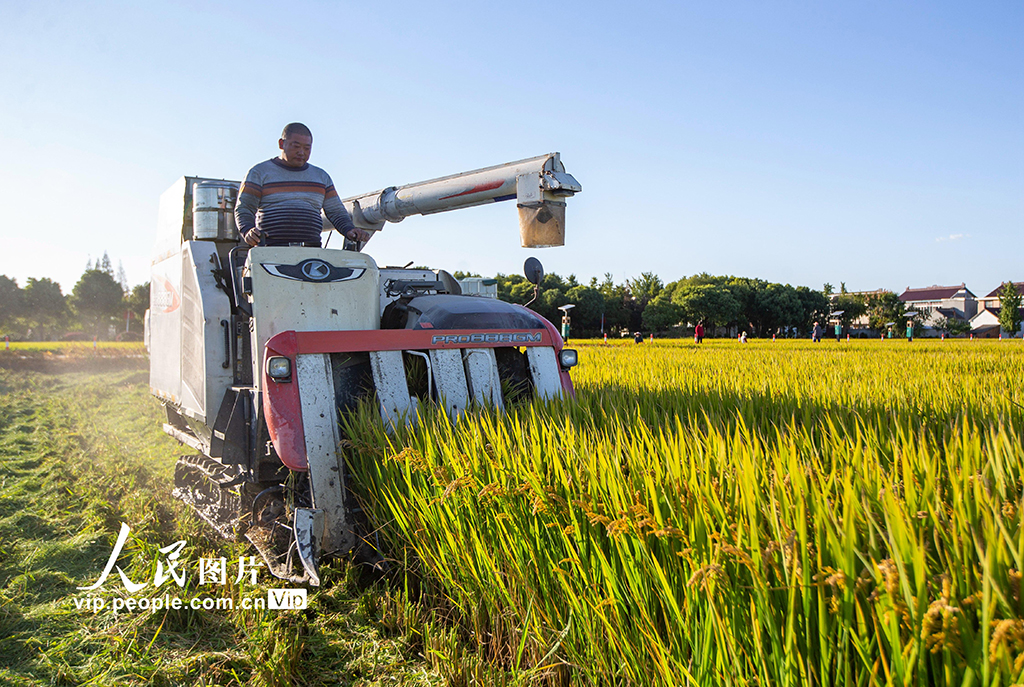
(698, 333)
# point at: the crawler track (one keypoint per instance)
(210, 489)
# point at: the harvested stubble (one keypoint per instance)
(788, 513)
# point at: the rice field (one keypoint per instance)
(762, 514)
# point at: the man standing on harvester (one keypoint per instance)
(281, 199)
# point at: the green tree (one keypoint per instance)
(952, 326)
(98, 301)
(138, 302)
(709, 303)
(670, 289)
(702, 279)
(104, 264)
(548, 303)
(814, 306)
(521, 292)
(508, 282)
(661, 314)
(122, 278)
(586, 316)
(883, 308)
(639, 292)
(1009, 308)
(852, 306)
(514, 288)
(11, 301)
(46, 310)
(776, 306)
(644, 288)
(616, 314)
(744, 290)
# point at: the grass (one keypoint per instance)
(74, 348)
(81, 452)
(55, 356)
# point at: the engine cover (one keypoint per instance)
(447, 311)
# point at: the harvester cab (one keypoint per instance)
(255, 351)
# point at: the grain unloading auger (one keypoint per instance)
(255, 352)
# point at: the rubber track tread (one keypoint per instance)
(198, 481)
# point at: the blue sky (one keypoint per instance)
(879, 144)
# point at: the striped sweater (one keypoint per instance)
(284, 203)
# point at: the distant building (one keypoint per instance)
(479, 286)
(986, 323)
(937, 302)
(992, 299)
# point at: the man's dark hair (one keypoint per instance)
(296, 128)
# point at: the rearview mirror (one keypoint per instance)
(534, 270)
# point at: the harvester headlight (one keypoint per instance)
(568, 357)
(279, 368)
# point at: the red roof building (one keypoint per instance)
(992, 299)
(933, 293)
(936, 302)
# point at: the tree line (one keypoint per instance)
(100, 305)
(646, 303)
(726, 305)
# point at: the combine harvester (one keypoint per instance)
(254, 352)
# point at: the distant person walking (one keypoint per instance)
(698, 333)
(816, 333)
(910, 331)
(839, 331)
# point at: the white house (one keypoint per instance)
(936, 302)
(986, 323)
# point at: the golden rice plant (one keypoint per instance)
(762, 514)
